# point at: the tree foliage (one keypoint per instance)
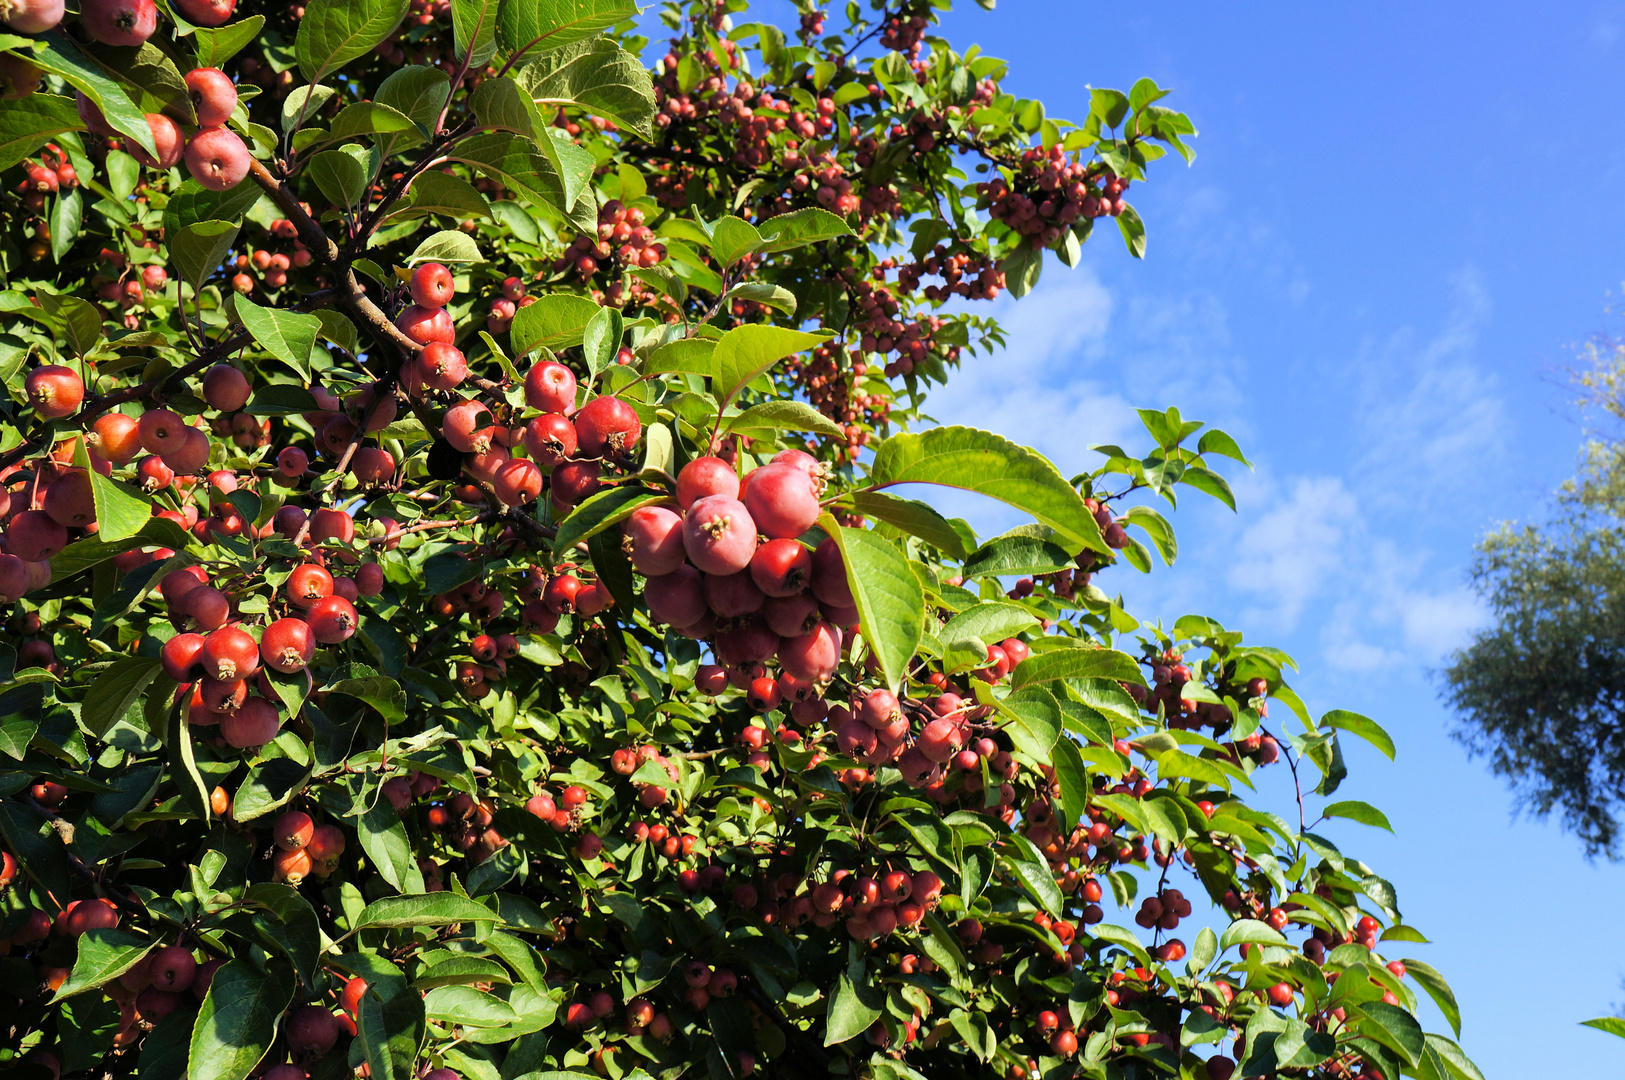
(1539, 690)
(473, 613)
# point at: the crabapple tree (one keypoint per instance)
(464, 618)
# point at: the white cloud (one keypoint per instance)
(1293, 551)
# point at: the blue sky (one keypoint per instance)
(1398, 219)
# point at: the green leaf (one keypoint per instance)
(774, 296)
(286, 922)
(1614, 1025)
(1010, 555)
(30, 123)
(746, 351)
(691, 356)
(1072, 778)
(441, 193)
(287, 335)
(391, 1033)
(114, 691)
(334, 32)
(596, 75)
(182, 763)
(1036, 720)
(447, 246)
(238, 1020)
(554, 321)
(604, 509)
(120, 512)
(503, 105)
(849, 1015)
(1022, 268)
(540, 25)
(992, 622)
(1250, 932)
(79, 326)
(468, 1006)
(1364, 727)
(1429, 979)
(56, 54)
(425, 909)
(1157, 528)
(1354, 810)
(194, 203)
(799, 228)
(379, 691)
(732, 239)
(1389, 1025)
(198, 249)
(217, 45)
(1214, 441)
(474, 30)
(104, 955)
(890, 602)
(1204, 951)
(150, 78)
(557, 178)
(67, 215)
(1076, 663)
(384, 839)
(990, 465)
(1133, 230)
(303, 102)
(342, 175)
(601, 340)
(916, 518)
(764, 420)
(1460, 1066)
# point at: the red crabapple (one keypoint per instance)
(656, 538)
(207, 12)
(427, 325)
(550, 439)
(225, 388)
(31, 16)
(54, 391)
(677, 598)
(719, 535)
(551, 387)
(781, 500)
(166, 137)
(781, 567)
(119, 22)
(214, 96)
(706, 476)
(432, 286)
(217, 158)
(607, 426)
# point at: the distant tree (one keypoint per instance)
(1541, 692)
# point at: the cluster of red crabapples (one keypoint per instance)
(709, 578)
(1051, 192)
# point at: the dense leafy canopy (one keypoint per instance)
(466, 614)
(1538, 691)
